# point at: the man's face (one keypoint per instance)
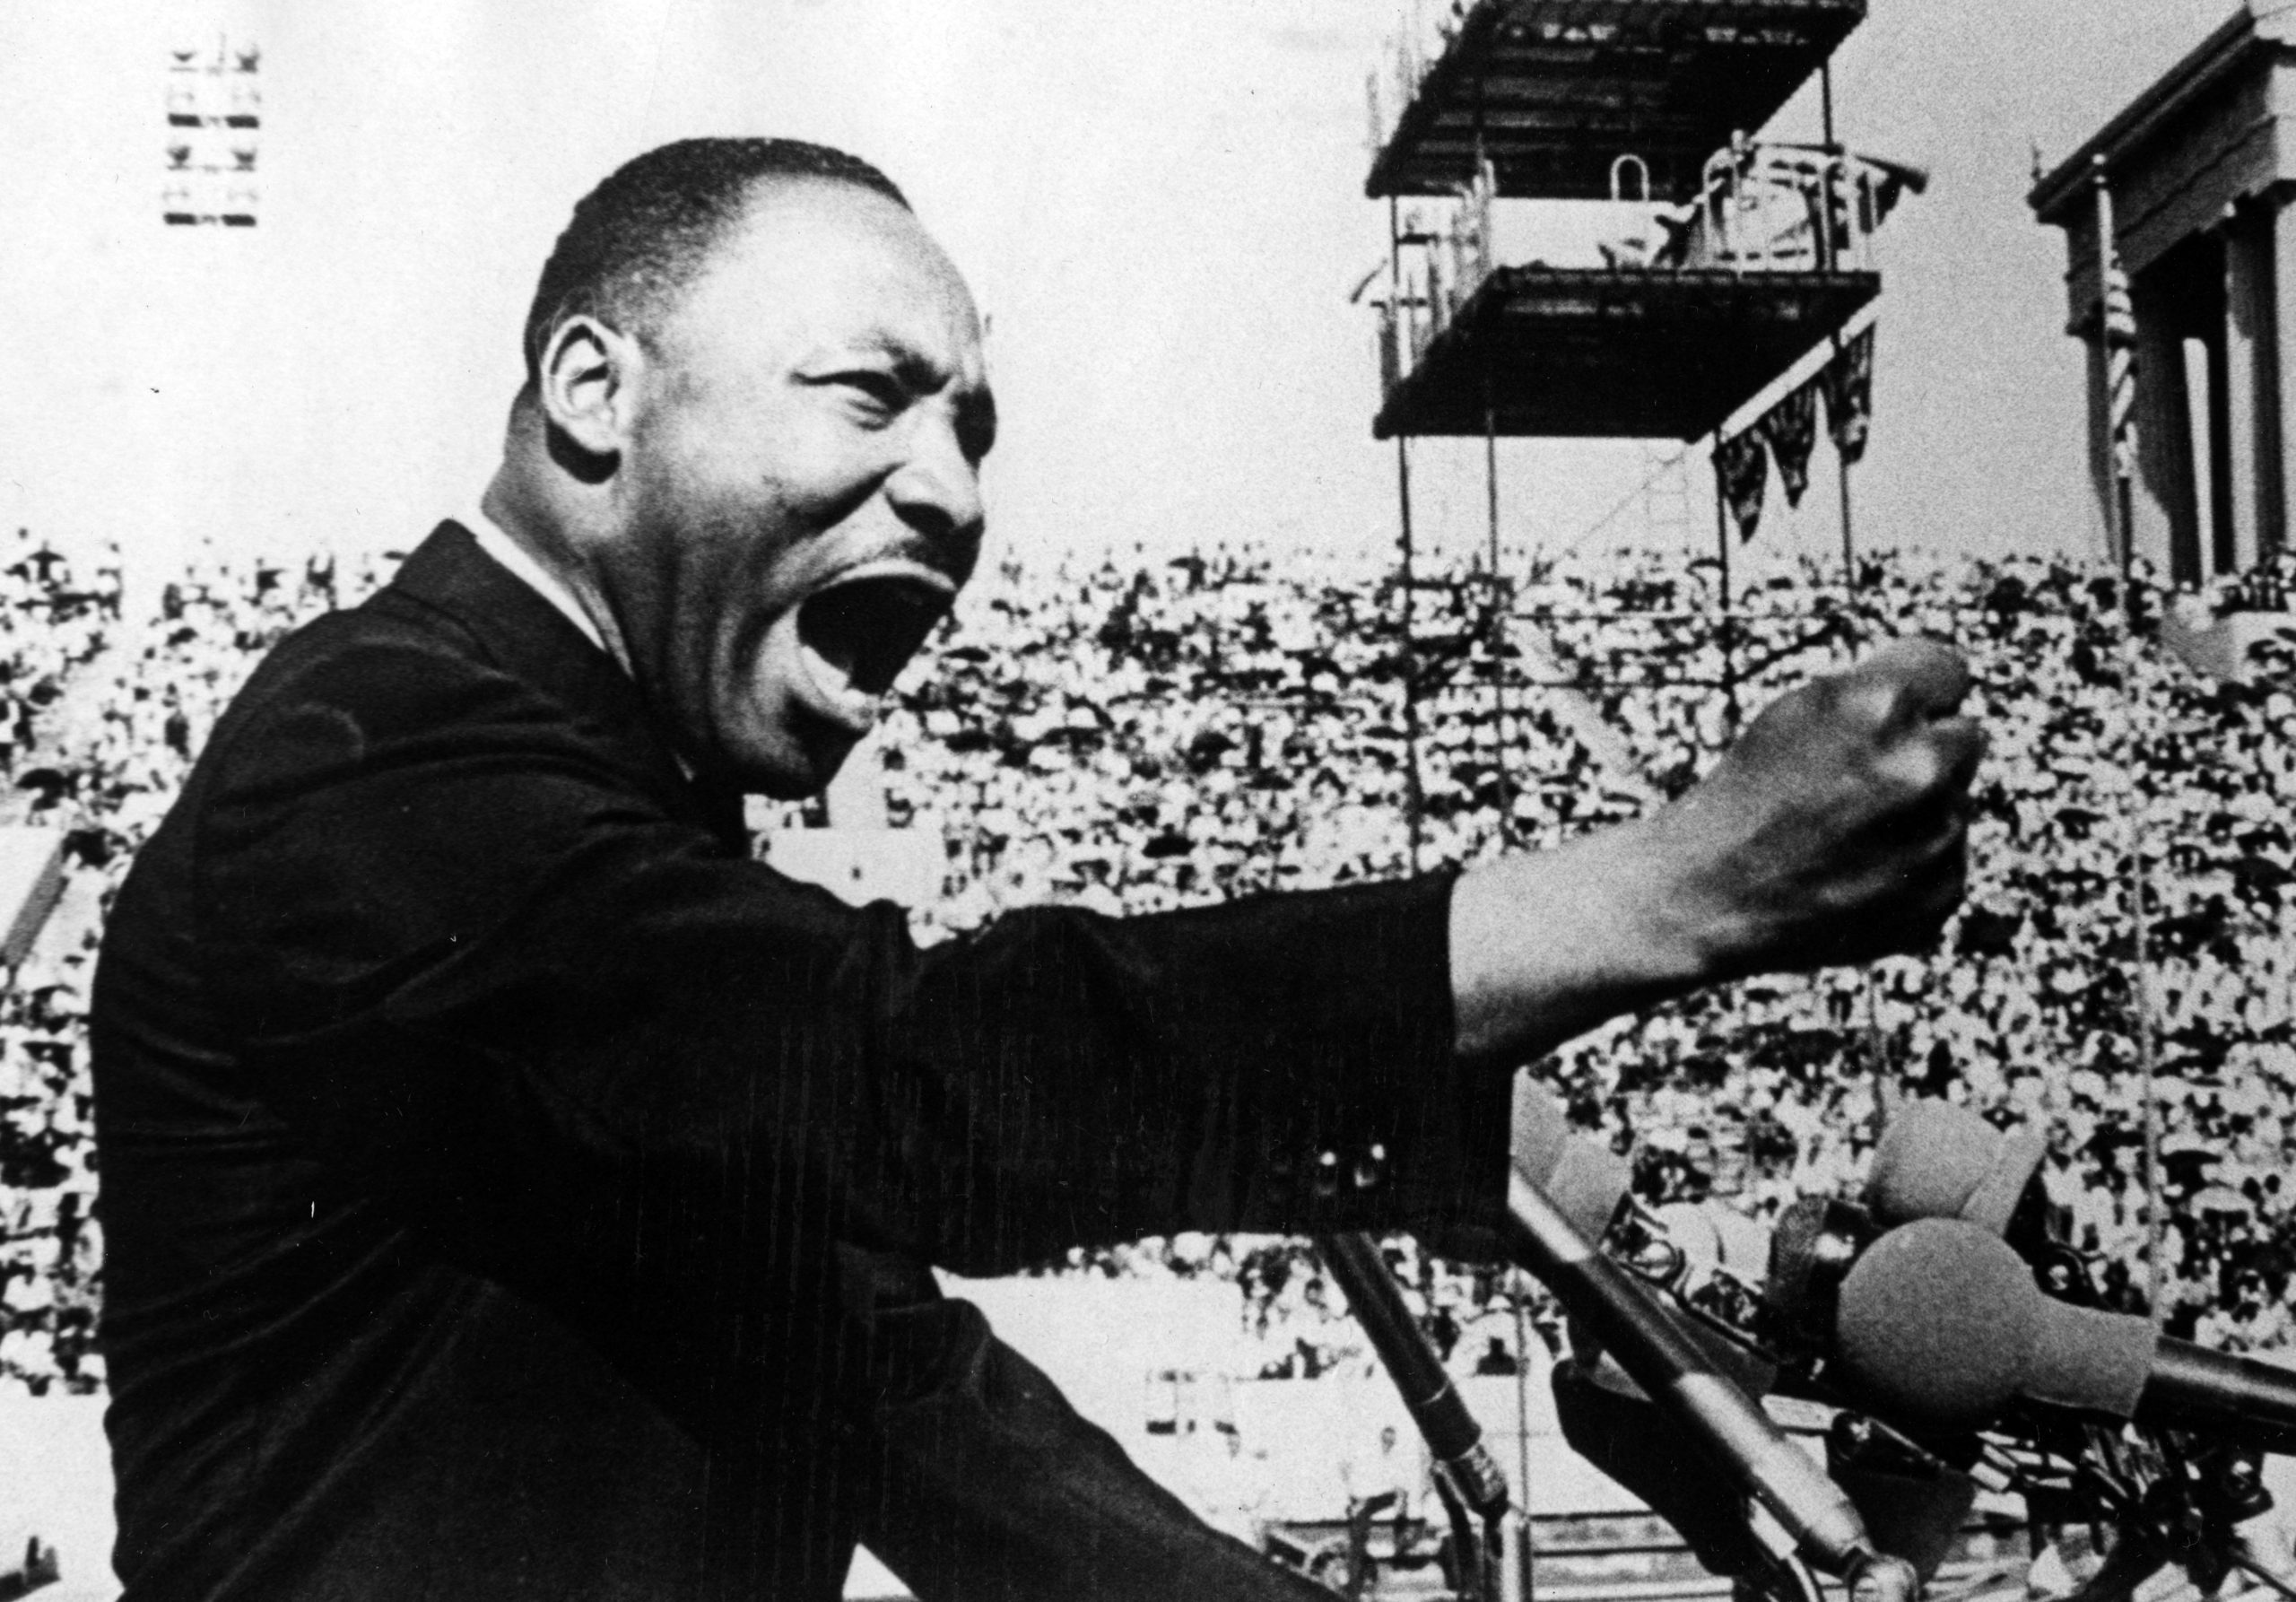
(799, 499)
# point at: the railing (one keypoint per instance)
(1439, 266)
(1787, 208)
(1761, 208)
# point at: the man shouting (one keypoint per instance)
(513, 1189)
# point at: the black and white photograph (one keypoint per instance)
(1013, 801)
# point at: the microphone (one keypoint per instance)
(1941, 1325)
(1813, 1246)
(1429, 1396)
(1585, 1179)
(1675, 1372)
(1939, 1161)
(1935, 1161)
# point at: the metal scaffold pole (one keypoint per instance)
(1849, 540)
(1496, 603)
(1414, 800)
(2116, 329)
(1491, 470)
(1415, 796)
(1833, 154)
(1497, 607)
(1726, 630)
(1877, 1042)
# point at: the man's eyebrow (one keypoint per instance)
(922, 375)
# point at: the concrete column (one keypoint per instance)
(2282, 247)
(2198, 556)
(2166, 512)
(2249, 382)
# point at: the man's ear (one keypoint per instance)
(586, 385)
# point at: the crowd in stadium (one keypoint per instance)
(1143, 735)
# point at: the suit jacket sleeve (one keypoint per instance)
(590, 1051)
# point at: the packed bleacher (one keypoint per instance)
(1142, 734)
(52, 622)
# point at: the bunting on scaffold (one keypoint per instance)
(1742, 468)
(1847, 381)
(1791, 429)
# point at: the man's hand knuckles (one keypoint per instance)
(1859, 705)
(1900, 783)
(1936, 775)
(1937, 763)
(1962, 738)
(1919, 678)
(1794, 718)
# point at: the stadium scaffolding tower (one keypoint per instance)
(1728, 263)
(1553, 91)
(1728, 260)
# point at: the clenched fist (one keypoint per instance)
(1833, 831)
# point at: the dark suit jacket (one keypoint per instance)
(512, 1190)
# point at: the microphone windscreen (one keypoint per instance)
(1794, 1246)
(1584, 1179)
(1940, 1161)
(1589, 1183)
(1936, 1324)
(1541, 1130)
(2087, 1358)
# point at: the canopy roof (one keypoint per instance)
(1603, 353)
(1559, 90)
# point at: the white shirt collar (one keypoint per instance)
(497, 542)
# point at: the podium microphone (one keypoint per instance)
(1582, 1177)
(1939, 1161)
(1935, 1161)
(1674, 1373)
(1435, 1405)
(1941, 1325)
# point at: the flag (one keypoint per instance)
(2116, 333)
(2120, 368)
(1742, 467)
(1849, 384)
(1791, 429)
(2116, 318)
(1881, 184)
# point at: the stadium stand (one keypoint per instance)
(1139, 737)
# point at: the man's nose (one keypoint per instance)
(937, 490)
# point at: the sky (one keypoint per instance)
(1160, 208)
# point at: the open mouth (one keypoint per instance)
(857, 634)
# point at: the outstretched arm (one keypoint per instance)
(1833, 831)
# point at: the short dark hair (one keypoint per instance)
(642, 234)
